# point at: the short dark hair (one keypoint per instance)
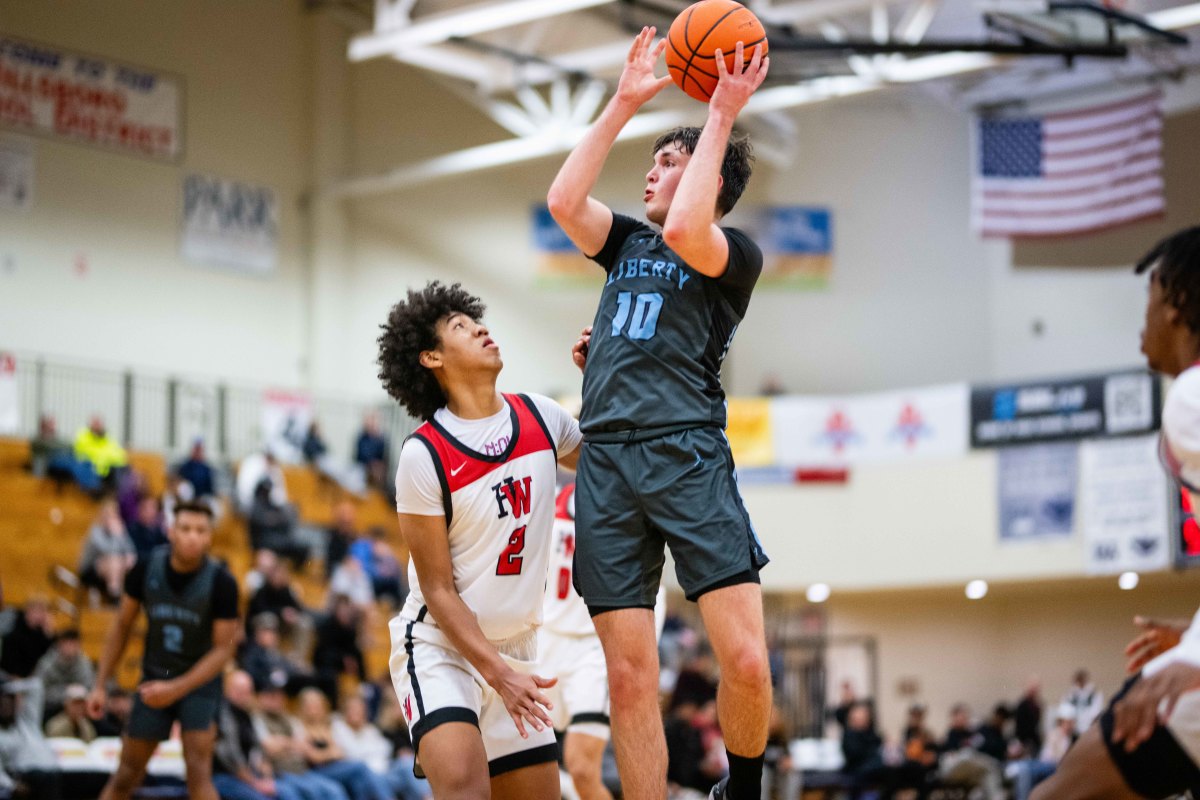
(1178, 260)
(185, 506)
(735, 168)
(69, 635)
(410, 330)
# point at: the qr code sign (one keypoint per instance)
(1127, 404)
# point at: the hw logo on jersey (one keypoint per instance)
(408, 707)
(514, 492)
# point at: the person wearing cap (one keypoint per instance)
(63, 666)
(72, 722)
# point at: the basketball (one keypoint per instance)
(702, 29)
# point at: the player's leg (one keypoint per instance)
(537, 782)
(583, 756)
(197, 761)
(131, 768)
(1086, 773)
(631, 652)
(454, 762)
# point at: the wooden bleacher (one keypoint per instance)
(43, 526)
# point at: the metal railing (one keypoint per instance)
(166, 413)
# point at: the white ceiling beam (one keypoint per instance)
(470, 21)
(915, 21)
(816, 10)
(1173, 19)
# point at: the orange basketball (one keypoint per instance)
(702, 29)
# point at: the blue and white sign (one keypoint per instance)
(1035, 491)
(231, 224)
(797, 243)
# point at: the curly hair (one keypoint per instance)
(735, 167)
(410, 330)
(1178, 270)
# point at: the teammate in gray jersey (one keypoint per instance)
(656, 467)
(191, 605)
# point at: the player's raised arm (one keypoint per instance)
(585, 219)
(115, 642)
(691, 226)
(429, 547)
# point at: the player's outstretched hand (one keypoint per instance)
(579, 352)
(1157, 637)
(734, 88)
(523, 697)
(158, 694)
(97, 699)
(638, 84)
(1137, 713)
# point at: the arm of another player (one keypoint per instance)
(429, 547)
(691, 228)
(584, 219)
(225, 634)
(115, 642)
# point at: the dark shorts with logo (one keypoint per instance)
(633, 496)
(1159, 767)
(196, 711)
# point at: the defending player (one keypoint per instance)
(656, 466)
(475, 497)
(1147, 744)
(191, 605)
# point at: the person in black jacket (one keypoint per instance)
(337, 651)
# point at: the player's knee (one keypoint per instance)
(584, 771)
(630, 683)
(126, 779)
(463, 784)
(199, 769)
(748, 669)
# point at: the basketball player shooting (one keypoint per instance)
(655, 465)
(475, 496)
(191, 605)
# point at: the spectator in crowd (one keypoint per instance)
(273, 526)
(279, 734)
(862, 748)
(277, 598)
(267, 665)
(337, 651)
(381, 566)
(63, 666)
(1087, 700)
(695, 683)
(108, 553)
(53, 457)
(340, 537)
(94, 446)
(371, 452)
(239, 772)
(1029, 772)
(993, 735)
(362, 741)
(72, 722)
(26, 759)
(685, 747)
(131, 488)
(196, 470)
(147, 531)
(847, 697)
(920, 752)
(327, 758)
(351, 580)
(1028, 717)
(117, 708)
(30, 638)
(780, 778)
(314, 447)
(255, 468)
(962, 764)
(256, 578)
(316, 454)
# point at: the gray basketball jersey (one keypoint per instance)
(179, 631)
(661, 332)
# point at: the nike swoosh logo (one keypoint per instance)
(454, 472)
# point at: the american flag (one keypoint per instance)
(1070, 172)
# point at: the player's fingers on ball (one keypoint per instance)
(658, 48)
(722, 71)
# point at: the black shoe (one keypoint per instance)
(718, 791)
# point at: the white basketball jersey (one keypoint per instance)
(499, 513)
(565, 612)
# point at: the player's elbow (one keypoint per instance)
(680, 237)
(560, 204)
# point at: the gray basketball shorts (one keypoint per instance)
(196, 711)
(677, 490)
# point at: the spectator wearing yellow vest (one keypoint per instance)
(96, 447)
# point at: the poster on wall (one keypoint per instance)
(1125, 502)
(896, 426)
(557, 259)
(1035, 491)
(285, 420)
(1117, 404)
(49, 91)
(10, 406)
(16, 174)
(797, 245)
(230, 224)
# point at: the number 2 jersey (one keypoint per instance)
(661, 332)
(493, 480)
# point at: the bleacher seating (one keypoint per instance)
(43, 525)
